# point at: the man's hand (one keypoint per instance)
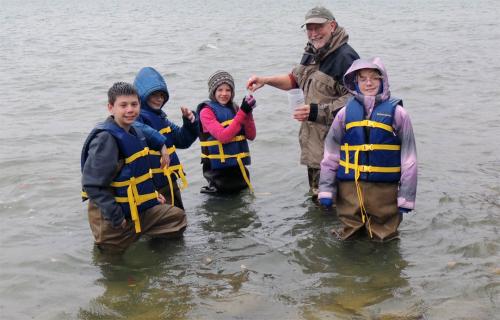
(254, 83)
(165, 157)
(188, 114)
(302, 113)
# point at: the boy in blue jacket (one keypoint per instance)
(117, 180)
(153, 93)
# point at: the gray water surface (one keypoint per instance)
(269, 255)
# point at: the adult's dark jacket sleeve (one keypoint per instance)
(154, 139)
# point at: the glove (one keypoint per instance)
(403, 210)
(326, 202)
(248, 104)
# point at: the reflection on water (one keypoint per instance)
(154, 280)
(140, 284)
(227, 213)
(359, 275)
(225, 218)
(356, 278)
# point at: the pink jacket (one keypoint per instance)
(211, 125)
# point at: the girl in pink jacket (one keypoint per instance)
(224, 131)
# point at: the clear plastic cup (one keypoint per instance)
(295, 98)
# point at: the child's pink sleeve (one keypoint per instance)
(249, 126)
(211, 125)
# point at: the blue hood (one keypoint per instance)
(147, 81)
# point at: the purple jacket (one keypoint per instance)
(402, 127)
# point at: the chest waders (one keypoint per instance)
(370, 149)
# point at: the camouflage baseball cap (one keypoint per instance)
(318, 15)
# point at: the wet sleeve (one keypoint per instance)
(331, 157)
(408, 183)
(249, 127)
(98, 173)
(154, 139)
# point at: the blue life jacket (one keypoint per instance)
(370, 149)
(224, 155)
(163, 177)
(133, 186)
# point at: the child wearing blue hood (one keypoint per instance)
(153, 93)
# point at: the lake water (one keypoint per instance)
(264, 256)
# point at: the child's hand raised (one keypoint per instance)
(187, 113)
(165, 157)
(248, 104)
(161, 199)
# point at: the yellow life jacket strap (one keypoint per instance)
(143, 198)
(226, 123)
(166, 172)
(218, 156)
(365, 147)
(133, 199)
(363, 168)
(134, 213)
(370, 169)
(359, 191)
(176, 170)
(243, 172)
(222, 155)
(217, 142)
(138, 154)
(165, 130)
(137, 180)
(238, 157)
(369, 123)
(370, 147)
(170, 150)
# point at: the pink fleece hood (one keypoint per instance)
(350, 81)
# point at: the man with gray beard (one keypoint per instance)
(326, 58)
